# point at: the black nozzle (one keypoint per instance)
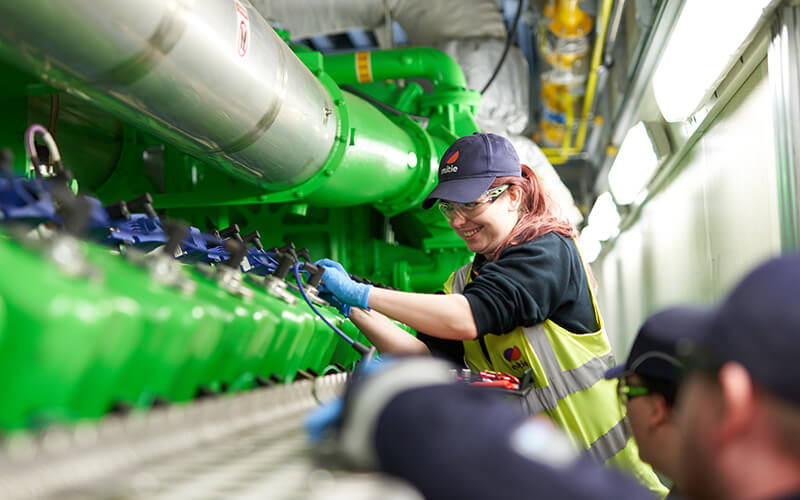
(204, 392)
(253, 238)
(263, 381)
(315, 273)
(120, 408)
(231, 231)
(286, 259)
(78, 218)
(75, 210)
(118, 210)
(303, 254)
(177, 231)
(63, 176)
(143, 204)
(238, 252)
(6, 162)
(159, 402)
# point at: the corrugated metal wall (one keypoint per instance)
(705, 230)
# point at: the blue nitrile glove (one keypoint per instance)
(331, 299)
(352, 420)
(336, 281)
(331, 263)
(324, 419)
(327, 418)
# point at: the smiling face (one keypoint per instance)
(485, 228)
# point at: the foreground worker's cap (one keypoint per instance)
(757, 326)
(470, 165)
(654, 353)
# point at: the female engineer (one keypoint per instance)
(523, 303)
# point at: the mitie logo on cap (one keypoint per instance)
(449, 168)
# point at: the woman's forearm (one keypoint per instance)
(444, 316)
(387, 337)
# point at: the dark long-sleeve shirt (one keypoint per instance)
(529, 283)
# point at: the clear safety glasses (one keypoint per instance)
(450, 208)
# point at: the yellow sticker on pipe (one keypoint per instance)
(363, 67)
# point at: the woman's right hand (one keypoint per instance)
(337, 282)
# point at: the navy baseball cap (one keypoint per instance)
(470, 165)
(654, 353)
(757, 326)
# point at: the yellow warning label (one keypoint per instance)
(363, 67)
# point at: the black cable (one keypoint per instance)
(510, 36)
(54, 109)
(380, 104)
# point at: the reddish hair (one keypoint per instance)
(538, 213)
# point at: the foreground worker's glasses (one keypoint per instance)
(450, 208)
(627, 391)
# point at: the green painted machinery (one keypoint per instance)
(223, 121)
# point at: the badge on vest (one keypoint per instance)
(513, 355)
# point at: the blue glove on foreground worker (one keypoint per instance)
(337, 282)
(327, 418)
(352, 419)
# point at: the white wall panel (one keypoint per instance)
(703, 232)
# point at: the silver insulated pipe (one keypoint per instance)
(209, 76)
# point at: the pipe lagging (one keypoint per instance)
(212, 78)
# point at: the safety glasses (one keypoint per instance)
(626, 391)
(451, 208)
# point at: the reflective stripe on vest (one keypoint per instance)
(611, 443)
(562, 383)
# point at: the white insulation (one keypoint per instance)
(472, 32)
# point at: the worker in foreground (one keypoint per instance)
(524, 303)
(738, 414)
(648, 383)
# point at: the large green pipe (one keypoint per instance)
(417, 62)
(258, 114)
(384, 163)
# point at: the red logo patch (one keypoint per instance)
(512, 353)
(453, 158)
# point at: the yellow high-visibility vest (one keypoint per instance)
(568, 381)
